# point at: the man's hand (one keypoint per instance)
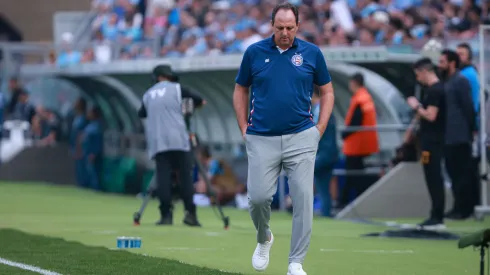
(321, 129)
(413, 102)
(243, 129)
(240, 104)
(326, 106)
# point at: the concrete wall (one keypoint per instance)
(402, 193)
(34, 18)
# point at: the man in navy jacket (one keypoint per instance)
(326, 157)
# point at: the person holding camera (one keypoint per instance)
(168, 143)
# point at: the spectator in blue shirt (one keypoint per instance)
(68, 56)
(92, 146)
(109, 28)
(77, 127)
(468, 70)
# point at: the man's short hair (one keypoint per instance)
(423, 64)
(358, 78)
(451, 56)
(285, 6)
(466, 46)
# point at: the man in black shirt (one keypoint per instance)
(432, 115)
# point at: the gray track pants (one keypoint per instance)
(295, 153)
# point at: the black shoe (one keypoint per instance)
(459, 217)
(454, 215)
(191, 220)
(166, 220)
(432, 224)
(450, 213)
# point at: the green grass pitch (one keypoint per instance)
(73, 231)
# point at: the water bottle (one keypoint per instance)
(122, 242)
(137, 242)
(131, 242)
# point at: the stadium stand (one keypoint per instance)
(134, 29)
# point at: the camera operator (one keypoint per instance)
(187, 93)
(168, 143)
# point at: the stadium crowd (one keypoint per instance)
(135, 29)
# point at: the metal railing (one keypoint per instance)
(152, 46)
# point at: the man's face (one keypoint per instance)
(353, 86)
(23, 98)
(285, 28)
(464, 55)
(443, 63)
(421, 76)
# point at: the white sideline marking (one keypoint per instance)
(105, 232)
(28, 267)
(380, 251)
(331, 250)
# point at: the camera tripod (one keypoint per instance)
(187, 110)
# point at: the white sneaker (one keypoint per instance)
(260, 259)
(296, 269)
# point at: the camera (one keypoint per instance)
(188, 106)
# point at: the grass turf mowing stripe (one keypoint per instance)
(75, 258)
(27, 267)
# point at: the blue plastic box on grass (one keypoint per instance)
(128, 242)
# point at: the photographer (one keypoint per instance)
(168, 143)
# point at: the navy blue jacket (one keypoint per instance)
(93, 139)
(328, 150)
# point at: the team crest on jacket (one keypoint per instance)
(297, 60)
